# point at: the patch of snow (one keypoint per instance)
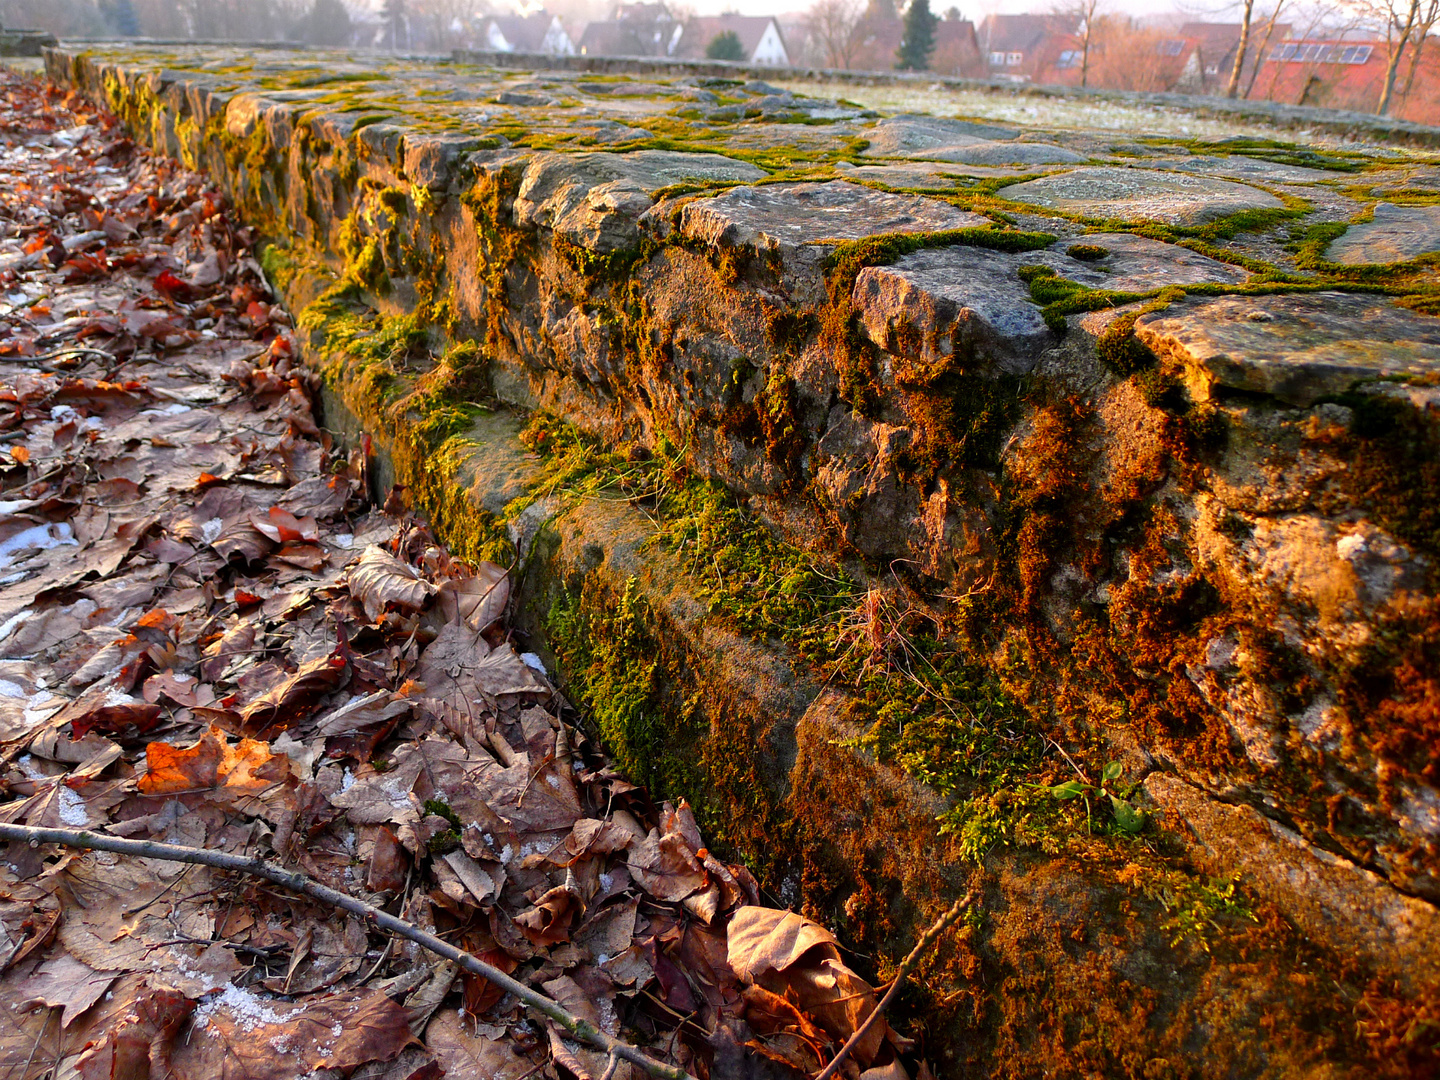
(14, 621)
(11, 689)
(347, 780)
(115, 697)
(41, 706)
(62, 413)
(9, 506)
(531, 660)
(211, 530)
(37, 538)
(72, 808)
(343, 540)
(249, 1010)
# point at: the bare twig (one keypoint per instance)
(941, 925)
(577, 1026)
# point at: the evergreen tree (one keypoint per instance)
(725, 46)
(919, 40)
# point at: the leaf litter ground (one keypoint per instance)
(209, 638)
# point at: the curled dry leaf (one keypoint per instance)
(283, 527)
(663, 866)
(799, 960)
(380, 581)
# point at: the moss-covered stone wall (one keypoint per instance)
(937, 505)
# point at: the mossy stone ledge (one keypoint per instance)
(868, 477)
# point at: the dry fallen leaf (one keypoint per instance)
(213, 767)
(381, 581)
(243, 1035)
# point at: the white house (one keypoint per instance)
(538, 33)
(759, 36)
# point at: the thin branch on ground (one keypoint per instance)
(576, 1026)
(906, 966)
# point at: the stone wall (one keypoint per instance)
(1112, 448)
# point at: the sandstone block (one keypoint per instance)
(1127, 194)
(1297, 348)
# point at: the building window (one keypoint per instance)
(1070, 58)
(1355, 54)
(997, 59)
(1011, 59)
(1172, 47)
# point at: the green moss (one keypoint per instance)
(608, 646)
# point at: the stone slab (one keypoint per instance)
(1106, 192)
(1247, 168)
(1298, 348)
(972, 299)
(1008, 153)
(801, 222)
(597, 199)
(1331, 899)
(1395, 234)
(917, 136)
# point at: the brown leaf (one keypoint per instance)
(293, 700)
(213, 767)
(107, 709)
(465, 1055)
(548, 922)
(64, 981)
(479, 601)
(664, 867)
(139, 1038)
(381, 581)
(762, 940)
(283, 527)
(241, 1035)
(798, 959)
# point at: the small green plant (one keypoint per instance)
(1128, 819)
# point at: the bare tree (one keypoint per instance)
(1429, 15)
(833, 23)
(1084, 12)
(1247, 9)
(1400, 18)
(1261, 52)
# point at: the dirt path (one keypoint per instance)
(207, 637)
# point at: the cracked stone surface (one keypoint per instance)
(597, 200)
(1394, 234)
(1297, 348)
(1175, 198)
(802, 222)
